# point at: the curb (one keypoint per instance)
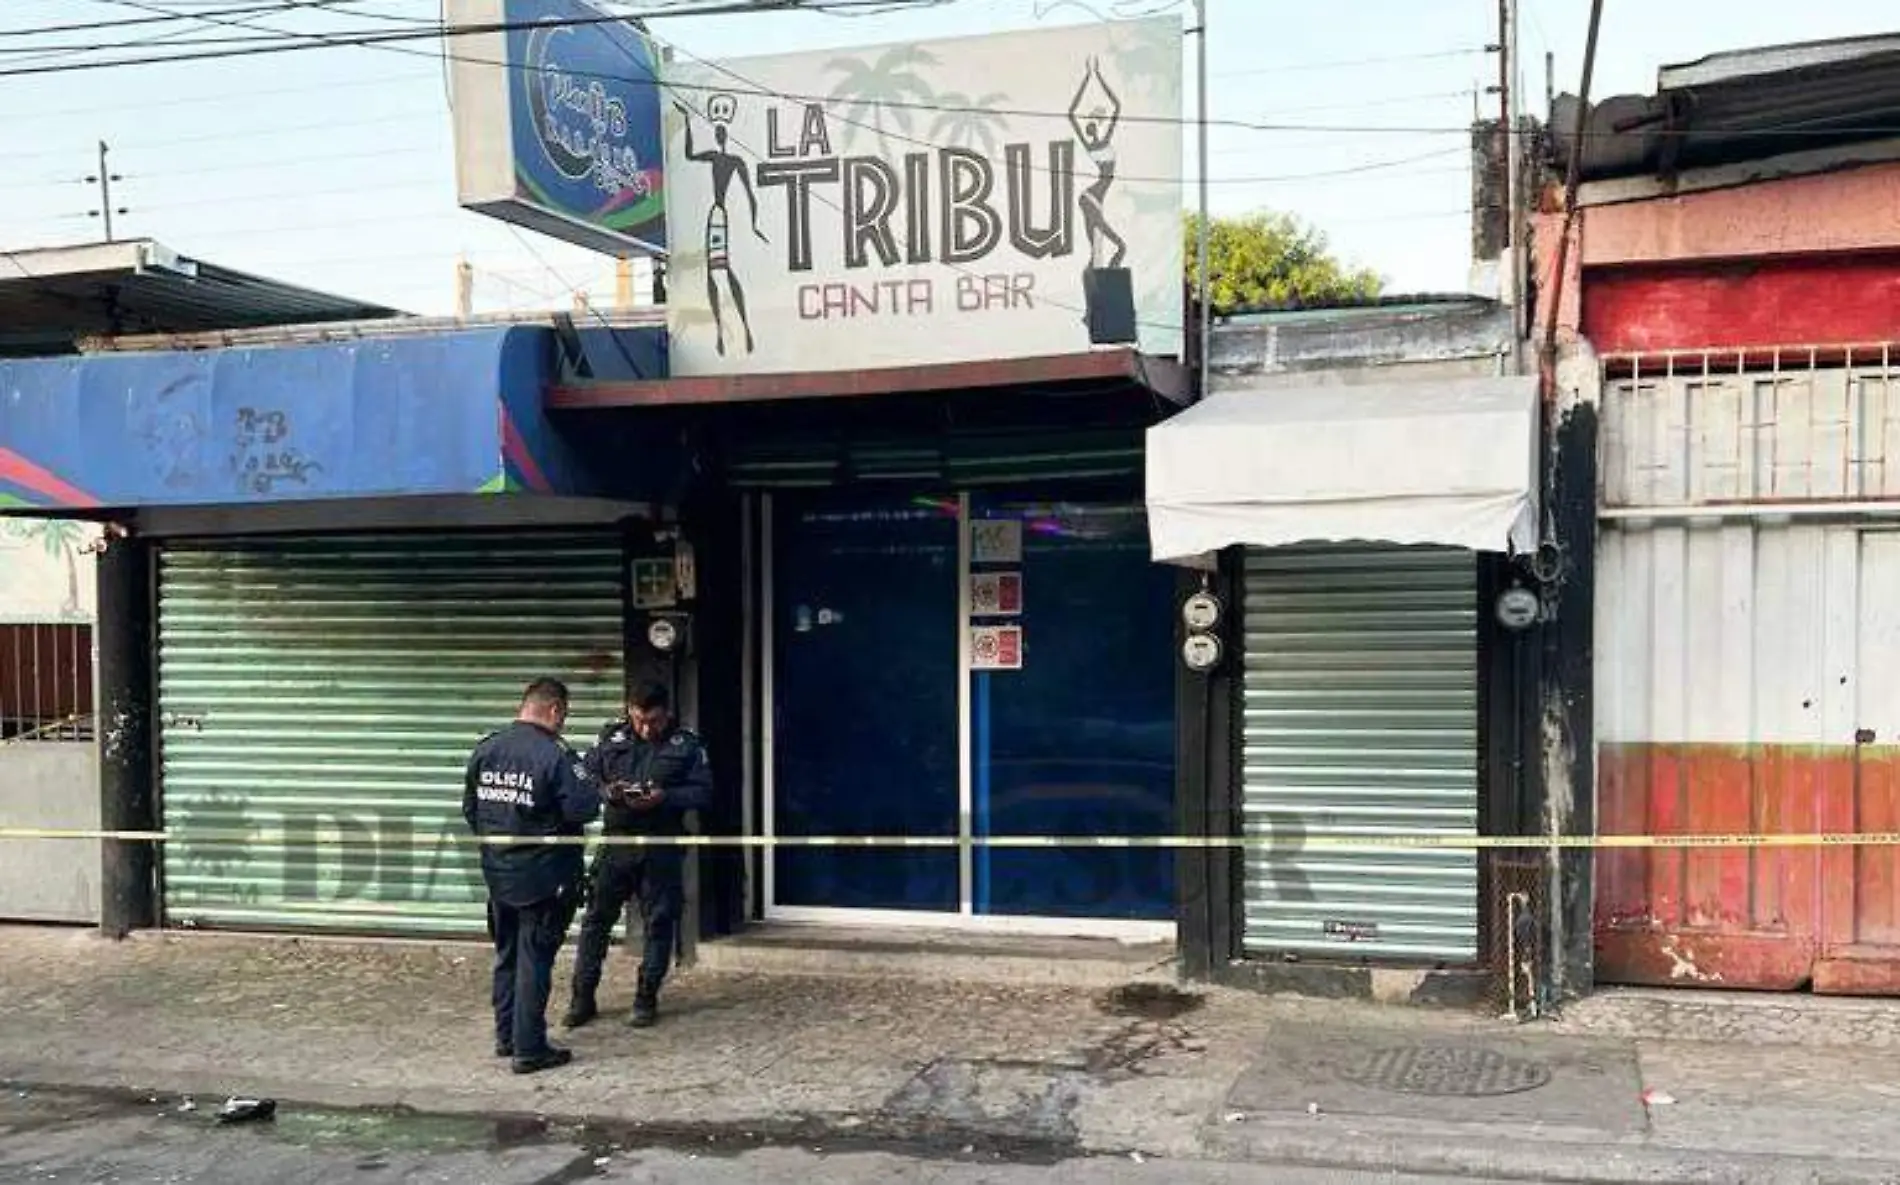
(1736, 1018)
(924, 1138)
(1428, 1150)
(1325, 1142)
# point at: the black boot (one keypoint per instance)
(646, 1004)
(553, 1059)
(580, 1011)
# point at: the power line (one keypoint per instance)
(352, 38)
(293, 41)
(1367, 104)
(201, 100)
(626, 355)
(245, 134)
(276, 6)
(34, 53)
(430, 183)
(1468, 51)
(296, 41)
(251, 165)
(749, 83)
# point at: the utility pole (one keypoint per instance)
(623, 282)
(1200, 239)
(104, 179)
(464, 289)
(1509, 98)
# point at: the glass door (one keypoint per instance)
(1003, 661)
(1072, 730)
(862, 605)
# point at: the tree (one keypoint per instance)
(1269, 259)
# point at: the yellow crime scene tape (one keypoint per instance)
(1286, 842)
(1272, 842)
(50, 728)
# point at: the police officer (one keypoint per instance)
(523, 781)
(654, 772)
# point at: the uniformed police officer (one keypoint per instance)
(654, 772)
(524, 781)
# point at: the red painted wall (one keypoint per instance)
(1773, 917)
(1816, 300)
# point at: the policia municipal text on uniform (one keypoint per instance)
(523, 781)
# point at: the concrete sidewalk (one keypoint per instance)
(1028, 1072)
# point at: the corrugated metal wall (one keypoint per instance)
(320, 697)
(1739, 654)
(1361, 714)
(1718, 674)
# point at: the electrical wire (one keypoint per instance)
(434, 31)
(276, 7)
(401, 117)
(389, 80)
(1469, 51)
(391, 41)
(626, 355)
(219, 137)
(429, 29)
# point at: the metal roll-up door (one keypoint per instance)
(1360, 715)
(789, 461)
(318, 699)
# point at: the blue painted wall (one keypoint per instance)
(451, 413)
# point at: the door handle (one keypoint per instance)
(1864, 736)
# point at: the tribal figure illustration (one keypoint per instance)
(1094, 121)
(726, 165)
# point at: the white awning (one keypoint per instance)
(1444, 462)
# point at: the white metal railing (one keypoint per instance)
(1713, 434)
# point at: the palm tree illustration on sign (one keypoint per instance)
(881, 95)
(1145, 52)
(63, 540)
(970, 123)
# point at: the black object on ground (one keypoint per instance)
(247, 1110)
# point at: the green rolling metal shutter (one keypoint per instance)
(1361, 716)
(318, 699)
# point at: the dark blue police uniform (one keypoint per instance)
(653, 876)
(524, 781)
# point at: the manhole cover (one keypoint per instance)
(1446, 1070)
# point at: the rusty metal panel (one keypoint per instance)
(318, 699)
(1740, 671)
(1360, 717)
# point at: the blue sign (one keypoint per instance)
(557, 122)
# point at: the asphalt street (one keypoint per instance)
(97, 1139)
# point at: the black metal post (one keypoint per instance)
(128, 799)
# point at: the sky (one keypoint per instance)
(335, 168)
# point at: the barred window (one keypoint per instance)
(46, 691)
